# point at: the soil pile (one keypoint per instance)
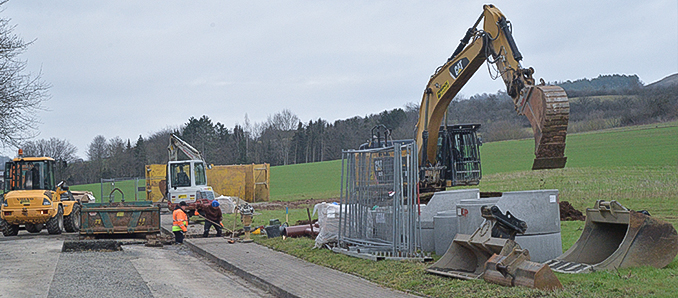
(567, 212)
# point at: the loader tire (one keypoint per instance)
(72, 221)
(8, 229)
(34, 228)
(55, 225)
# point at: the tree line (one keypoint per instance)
(284, 139)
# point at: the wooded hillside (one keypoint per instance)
(603, 102)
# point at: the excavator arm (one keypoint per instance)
(175, 144)
(546, 107)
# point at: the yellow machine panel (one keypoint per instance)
(248, 182)
(155, 182)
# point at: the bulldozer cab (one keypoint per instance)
(33, 173)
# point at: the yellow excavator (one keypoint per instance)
(449, 154)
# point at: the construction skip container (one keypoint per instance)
(119, 218)
(615, 237)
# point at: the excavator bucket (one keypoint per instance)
(548, 110)
(466, 257)
(467, 254)
(516, 269)
(615, 237)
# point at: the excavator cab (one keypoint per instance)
(457, 159)
(459, 154)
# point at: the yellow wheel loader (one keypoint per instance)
(34, 200)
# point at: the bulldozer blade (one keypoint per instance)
(549, 163)
(615, 237)
(465, 258)
(516, 269)
(548, 110)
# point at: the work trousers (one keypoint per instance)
(179, 237)
(207, 229)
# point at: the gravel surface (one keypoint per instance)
(111, 272)
(33, 265)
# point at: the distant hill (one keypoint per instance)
(665, 82)
(602, 85)
(3, 160)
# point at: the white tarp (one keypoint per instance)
(227, 204)
(328, 220)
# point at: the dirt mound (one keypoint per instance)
(568, 213)
(280, 205)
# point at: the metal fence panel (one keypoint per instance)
(380, 208)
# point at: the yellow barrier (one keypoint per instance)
(248, 182)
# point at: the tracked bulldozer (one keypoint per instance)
(615, 237)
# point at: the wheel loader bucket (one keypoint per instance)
(615, 237)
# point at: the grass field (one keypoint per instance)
(126, 186)
(318, 180)
(637, 166)
(639, 146)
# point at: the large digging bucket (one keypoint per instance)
(466, 257)
(516, 269)
(548, 110)
(615, 237)
(467, 254)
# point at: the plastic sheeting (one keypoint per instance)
(328, 220)
(227, 204)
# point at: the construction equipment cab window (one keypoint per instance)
(200, 177)
(29, 175)
(181, 174)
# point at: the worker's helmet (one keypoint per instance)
(183, 203)
(215, 203)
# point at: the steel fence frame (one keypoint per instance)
(379, 199)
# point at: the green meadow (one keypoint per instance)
(637, 166)
(633, 148)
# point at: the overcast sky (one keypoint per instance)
(130, 68)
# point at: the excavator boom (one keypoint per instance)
(546, 107)
(177, 143)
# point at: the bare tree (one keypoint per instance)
(284, 120)
(156, 145)
(97, 153)
(60, 150)
(54, 148)
(282, 126)
(21, 94)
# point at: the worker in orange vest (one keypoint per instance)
(179, 222)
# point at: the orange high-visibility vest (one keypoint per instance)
(180, 220)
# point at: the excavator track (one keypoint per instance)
(548, 110)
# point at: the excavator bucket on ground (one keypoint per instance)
(466, 257)
(492, 253)
(516, 269)
(467, 254)
(548, 110)
(615, 237)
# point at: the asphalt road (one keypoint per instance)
(32, 265)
